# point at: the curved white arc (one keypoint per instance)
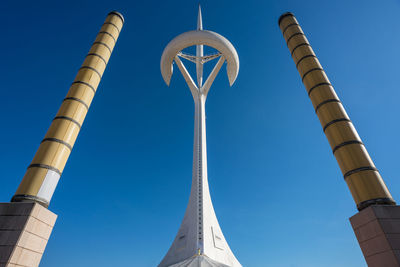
(208, 38)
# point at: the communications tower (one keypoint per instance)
(199, 241)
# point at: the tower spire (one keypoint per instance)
(199, 241)
(199, 52)
(199, 20)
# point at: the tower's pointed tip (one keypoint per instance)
(199, 20)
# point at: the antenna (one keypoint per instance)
(200, 234)
(199, 52)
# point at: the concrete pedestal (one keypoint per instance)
(24, 231)
(377, 229)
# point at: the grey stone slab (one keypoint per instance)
(394, 241)
(368, 231)
(386, 211)
(38, 228)
(44, 215)
(377, 229)
(9, 237)
(397, 255)
(375, 245)
(390, 226)
(32, 242)
(385, 259)
(362, 218)
(16, 208)
(13, 222)
(25, 257)
(5, 253)
(23, 233)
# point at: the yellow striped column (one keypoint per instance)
(359, 171)
(43, 173)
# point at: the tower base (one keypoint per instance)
(377, 229)
(24, 231)
(199, 261)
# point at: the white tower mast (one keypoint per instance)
(199, 241)
(199, 51)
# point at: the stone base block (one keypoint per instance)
(24, 231)
(377, 229)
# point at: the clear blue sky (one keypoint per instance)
(276, 187)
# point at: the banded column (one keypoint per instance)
(359, 171)
(43, 173)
